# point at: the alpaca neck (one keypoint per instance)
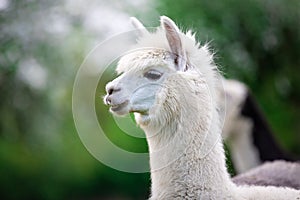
(241, 146)
(186, 152)
(187, 166)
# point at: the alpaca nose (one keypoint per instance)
(110, 90)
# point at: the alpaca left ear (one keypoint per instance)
(139, 26)
(174, 40)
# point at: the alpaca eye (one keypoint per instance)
(153, 75)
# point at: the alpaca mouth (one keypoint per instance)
(118, 107)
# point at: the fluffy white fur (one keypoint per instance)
(180, 119)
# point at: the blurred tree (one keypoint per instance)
(42, 44)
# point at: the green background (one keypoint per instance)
(41, 155)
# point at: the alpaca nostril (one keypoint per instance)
(112, 90)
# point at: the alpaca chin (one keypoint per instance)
(142, 119)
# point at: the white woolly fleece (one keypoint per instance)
(183, 129)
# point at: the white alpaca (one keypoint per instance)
(170, 85)
(237, 129)
(246, 130)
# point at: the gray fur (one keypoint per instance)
(276, 173)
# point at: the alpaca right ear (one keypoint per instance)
(174, 40)
(139, 26)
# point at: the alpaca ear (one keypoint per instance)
(139, 26)
(174, 40)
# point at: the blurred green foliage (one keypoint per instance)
(41, 156)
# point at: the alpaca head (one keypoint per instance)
(161, 61)
(135, 89)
